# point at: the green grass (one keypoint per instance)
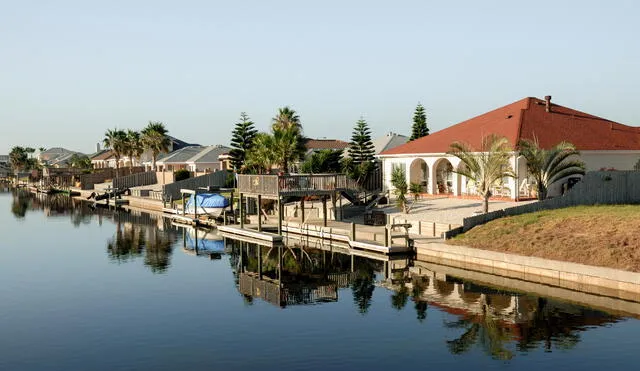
(607, 235)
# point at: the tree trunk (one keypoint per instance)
(485, 203)
(542, 192)
(153, 167)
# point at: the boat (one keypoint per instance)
(211, 204)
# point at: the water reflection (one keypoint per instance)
(54, 206)
(142, 235)
(137, 234)
(500, 322)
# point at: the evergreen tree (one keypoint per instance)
(361, 148)
(419, 128)
(242, 140)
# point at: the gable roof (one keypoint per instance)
(528, 119)
(181, 156)
(209, 154)
(388, 141)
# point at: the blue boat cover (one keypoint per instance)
(213, 200)
(206, 244)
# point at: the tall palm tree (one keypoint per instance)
(286, 119)
(288, 147)
(134, 147)
(485, 168)
(116, 140)
(549, 166)
(155, 139)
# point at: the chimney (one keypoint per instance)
(97, 147)
(547, 100)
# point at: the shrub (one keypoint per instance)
(181, 174)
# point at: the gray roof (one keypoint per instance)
(210, 154)
(388, 141)
(182, 155)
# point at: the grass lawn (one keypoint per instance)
(606, 236)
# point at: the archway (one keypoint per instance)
(419, 173)
(444, 177)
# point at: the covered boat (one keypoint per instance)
(211, 204)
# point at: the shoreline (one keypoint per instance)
(578, 277)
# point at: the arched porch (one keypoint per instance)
(419, 173)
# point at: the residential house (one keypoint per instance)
(56, 157)
(105, 158)
(4, 160)
(603, 144)
(210, 159)
(194, 159)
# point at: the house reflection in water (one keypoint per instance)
(500, 322)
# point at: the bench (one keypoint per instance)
(375, 218)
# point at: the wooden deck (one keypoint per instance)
(273, 186)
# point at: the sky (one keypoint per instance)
(70, 70)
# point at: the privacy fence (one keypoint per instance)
(597, 187)
(136, 180)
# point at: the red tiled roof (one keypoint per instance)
(325, 144)
(526, 119)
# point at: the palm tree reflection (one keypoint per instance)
(132, 240)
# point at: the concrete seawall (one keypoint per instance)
(580, 277)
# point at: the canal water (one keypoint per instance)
(99, 289)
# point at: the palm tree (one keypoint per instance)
(486, 168)
(288, 147)
(286, 119)
(260, 157)
(155, 139)
(116, 140)
(134, 147)
(549, 166)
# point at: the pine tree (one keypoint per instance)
(242, 140)
(361, 148)
(419, 128)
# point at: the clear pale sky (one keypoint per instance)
(69, 70)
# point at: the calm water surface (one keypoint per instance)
(97, 289)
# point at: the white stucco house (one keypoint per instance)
(603, 144)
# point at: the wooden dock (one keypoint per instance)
(319, 234)
(249, 235)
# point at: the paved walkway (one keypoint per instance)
(444, 210)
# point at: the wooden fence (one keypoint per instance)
(597, 187)
(136, 180)
(87, 181)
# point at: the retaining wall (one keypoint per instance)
(574, 276)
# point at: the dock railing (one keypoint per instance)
(274, 185)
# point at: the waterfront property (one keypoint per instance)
(603, 144)
(325, 187)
